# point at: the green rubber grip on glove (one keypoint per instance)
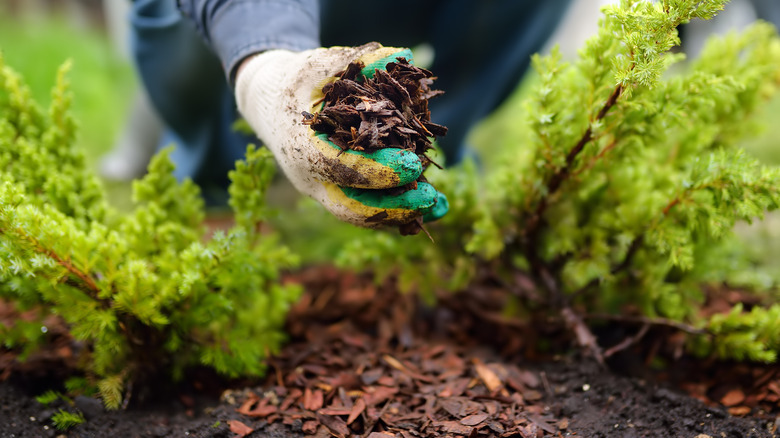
(394, 167)
(424, 200)
(381, 63)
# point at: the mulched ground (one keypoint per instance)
(366, 361)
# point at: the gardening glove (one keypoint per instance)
(274, 88)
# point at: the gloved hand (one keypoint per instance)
(274, 87)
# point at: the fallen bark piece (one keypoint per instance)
(733, 397)
(239, 428)
(336, 425)
(474, 419)
(488, 377)
(357, 409)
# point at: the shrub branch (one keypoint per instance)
(562, 174)
(86, 280)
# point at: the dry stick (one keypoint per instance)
(128, 394)
(627, 342)
(546, 384)
(658, 322)
(585, 336)
(573, 321)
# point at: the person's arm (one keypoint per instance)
(236, 29)
(279, 80)
(276, 86)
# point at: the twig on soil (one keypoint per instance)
(546, 384)
(128, 394)
(663, 322)
(499, 319)
(585, 337)
(573, 321)
(627, 342)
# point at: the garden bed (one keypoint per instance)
(364, 361)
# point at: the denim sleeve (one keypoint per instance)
(236, 29)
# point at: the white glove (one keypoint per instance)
(275, 87)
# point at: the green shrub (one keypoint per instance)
(142, 292)
(617, 183)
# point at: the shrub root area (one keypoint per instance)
(365, 361)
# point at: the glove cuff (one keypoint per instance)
(260, 85)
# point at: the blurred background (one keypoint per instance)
(37, 36)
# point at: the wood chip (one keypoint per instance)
(336, 425)
(474, 419)
(357, 409)
(312, 400)
(310, 427)
(488, 377)
(255, 407)
(733, 397)
(239, 428)
(453, 427)
(739, 411)
(335, 411)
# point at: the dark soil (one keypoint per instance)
(364, 361)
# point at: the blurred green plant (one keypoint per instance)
(145, 292)
(64, 420)
(616, 185)
(102, 80)
(48, 397)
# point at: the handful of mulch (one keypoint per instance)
(388, 110)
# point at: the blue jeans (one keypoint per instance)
(768, 10)
(187, 87)
(482, 49)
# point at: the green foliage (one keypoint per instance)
(753, 335)
(79, 385)
(48, 397)
(64, 420)
(622, 187)
(147, 291)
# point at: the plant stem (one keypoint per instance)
(555, 181)
(663, 322)
(84, 277)
(627, 342)
(539, 269)
(632, 250)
